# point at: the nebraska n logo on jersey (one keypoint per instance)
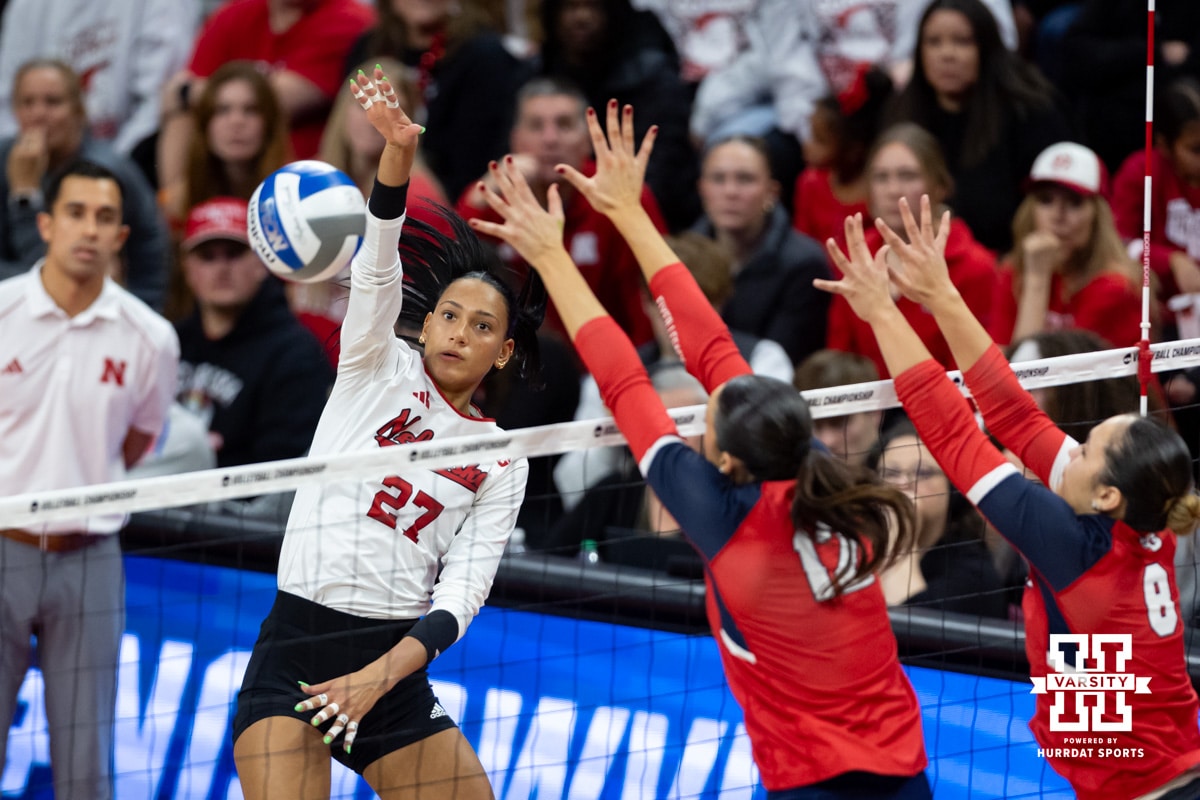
(1082, 685)
(114, 372)
(396, 430)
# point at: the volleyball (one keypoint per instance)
(306, 221)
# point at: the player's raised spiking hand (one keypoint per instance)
(620, 164)
(376, 95)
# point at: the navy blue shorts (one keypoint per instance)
(861, 786)
(304, 641)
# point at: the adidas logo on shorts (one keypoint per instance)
(437, 711)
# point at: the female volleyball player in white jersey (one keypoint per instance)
(377, 578)
(1098, 531)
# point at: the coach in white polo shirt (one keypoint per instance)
(87, 372)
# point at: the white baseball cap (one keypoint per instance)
(1071, 165)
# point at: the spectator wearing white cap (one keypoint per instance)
(1068, 267)
(256, 376)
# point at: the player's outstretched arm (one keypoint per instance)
(616, 188)
(697, 331)
(375, 274)
(938, 410)
(536, 234)
(919, 270)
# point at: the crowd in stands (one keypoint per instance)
(775, 120)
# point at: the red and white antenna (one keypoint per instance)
(1144, 343)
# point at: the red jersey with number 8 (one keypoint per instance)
(1116, 711)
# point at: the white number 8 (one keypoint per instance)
(1160, 606)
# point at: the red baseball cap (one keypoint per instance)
(1072, 166)
(219, 218)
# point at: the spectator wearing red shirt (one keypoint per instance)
(551, 129)
(1175, 198)
(907, 162)
(1069, 268)
(834, 184)
(300, 44)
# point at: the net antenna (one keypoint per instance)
(1143, 372)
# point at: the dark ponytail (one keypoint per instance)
(765, 423)
(436, 255)
(857, 503)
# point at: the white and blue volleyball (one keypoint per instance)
(306, 221)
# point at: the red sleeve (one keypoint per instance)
(1012, 415)
(624, 384)
(1004, 308)
(946, 425)
(1109, 307)
(697, 333)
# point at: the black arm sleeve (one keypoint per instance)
(388, 202)
(437, 630)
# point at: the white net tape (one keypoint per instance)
(257, 479)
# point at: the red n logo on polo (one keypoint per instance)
(114, 371)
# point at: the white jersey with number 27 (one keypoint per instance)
(400, 545)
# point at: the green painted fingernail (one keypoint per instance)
(347, 750)
(422, 129)
(360, 72)
(298, 707)
(328, 740)
(302, 683)
(379, 67)
(316, 722)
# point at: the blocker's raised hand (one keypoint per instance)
(918, 266)
(865, 282)
(620, 164)
(536, 233)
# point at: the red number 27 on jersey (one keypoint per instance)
(386, 504)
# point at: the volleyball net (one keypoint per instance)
(582, 677)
